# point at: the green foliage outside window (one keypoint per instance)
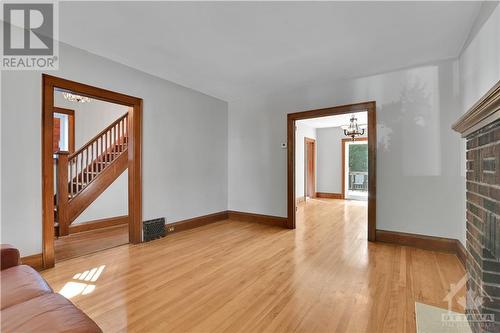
(358, 157)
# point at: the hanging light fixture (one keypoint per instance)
(76, 98)
(353, 129)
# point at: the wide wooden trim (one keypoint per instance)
(224, 215)
(196, 222)
(71, 125)
(440, 244)
(341, 109)
(49, 85)
(327, 195)
(370, 108)
(343, 142)
(306, 166)
(98, 224)
(258, 218)
(485, 111)
(68, 112)
(91, 91)
(420, 241)
(461, 253)
(35, 261)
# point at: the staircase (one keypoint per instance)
(88, 172)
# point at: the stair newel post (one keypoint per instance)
(62, 192)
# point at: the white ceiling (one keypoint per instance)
(238, 49)
(335, 121)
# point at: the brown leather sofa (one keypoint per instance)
(28, 304)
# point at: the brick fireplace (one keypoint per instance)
(481, 128)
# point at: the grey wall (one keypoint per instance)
(480, 62)
(329, 157)
(302, 132)
(419, 187)
(184, 145)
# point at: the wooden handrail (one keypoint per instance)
(101, 133)
(90, 160)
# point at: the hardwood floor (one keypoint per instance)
(242, 277)
(87, 242)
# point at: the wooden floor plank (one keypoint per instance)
(235, 276)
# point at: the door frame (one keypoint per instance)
(343, 142)
(71, 126)
(313, 143)
(370, 108)
(49, 84)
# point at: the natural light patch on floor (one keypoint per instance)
(82, 286)
(433, 319)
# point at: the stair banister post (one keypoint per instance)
(62, 192)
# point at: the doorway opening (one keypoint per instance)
(355, 169)
(309, 168)
(339, 176)
(91, 162)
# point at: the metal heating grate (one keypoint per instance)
(154, 229)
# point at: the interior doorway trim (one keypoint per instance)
(49, 84)
(71, 124)
(343, 142)
(370, 108)
(312, 143)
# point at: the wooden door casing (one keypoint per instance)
(310, 167)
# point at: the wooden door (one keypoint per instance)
(310, 154)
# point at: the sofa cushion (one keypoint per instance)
(47, 313)
(21, 283)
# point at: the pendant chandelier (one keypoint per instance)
(76, 98)
(353, 129)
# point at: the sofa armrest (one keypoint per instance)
(9, 256)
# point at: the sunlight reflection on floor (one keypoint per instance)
(73, 288)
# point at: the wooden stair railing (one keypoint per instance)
(85, 174)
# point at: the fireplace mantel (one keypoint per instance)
(481, 128)
(484, 112)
